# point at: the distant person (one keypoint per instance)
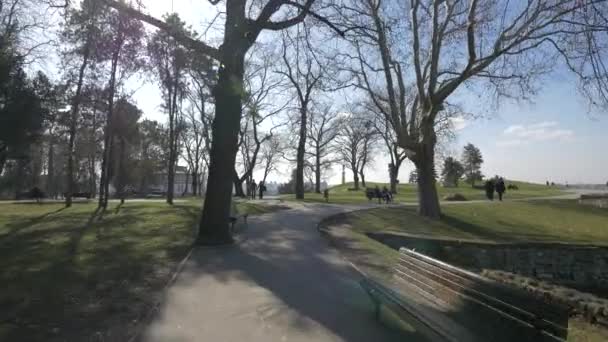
(326, 195)
(37, 194)
(489, 186)
(500, 188)
(378, 194)
(386, 195)
(254, 187)
(262, 188)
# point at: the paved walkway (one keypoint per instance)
(280, 283)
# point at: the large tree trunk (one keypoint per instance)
(428, 199)
(238, 186)
(214, 226)
(362, 179)
(394, 173)
(356, 179)
(300, 156)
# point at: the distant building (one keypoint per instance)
(160, 183)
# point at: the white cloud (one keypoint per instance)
(459, 123)
(515, 135)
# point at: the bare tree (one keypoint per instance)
(80, 31)
(271, 151)
(453, 43)
(193, 140)
(260, 106)
(240, 33)
(353, 141)
(304, 73)
(324, 126)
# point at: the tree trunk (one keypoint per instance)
(300, 155)
(3, 157)
(318, 172)
(362, 179)
(92, 176)
(172, 143)
(186, 184)
(394, 173)
(50, 173)
(104, 181)
(74, 119)
(109, 172)
(238, 186)
(170, 173)
(428, 199)
(122, 171)
(194, 182)
(214, 226)
(356, 179)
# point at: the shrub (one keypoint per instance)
(455, 197)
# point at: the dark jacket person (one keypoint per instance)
(490, 189)
(500, 188)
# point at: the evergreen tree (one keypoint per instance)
(472, 160)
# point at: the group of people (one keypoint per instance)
(384, 195)
(495, 185)
(255, 189)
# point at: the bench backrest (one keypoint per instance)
(491, 310)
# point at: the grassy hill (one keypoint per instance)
(408, 192)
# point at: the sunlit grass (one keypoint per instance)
(408, 192)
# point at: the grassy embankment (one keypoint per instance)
(407, 193)
(542, 221)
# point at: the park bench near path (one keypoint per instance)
(476, 308)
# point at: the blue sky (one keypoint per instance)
(555, 138)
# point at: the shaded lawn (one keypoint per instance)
(65, 275)
(408, 193)
(562, 221)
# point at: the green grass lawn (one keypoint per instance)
(562, 221)
(408, 192)
(67, 277)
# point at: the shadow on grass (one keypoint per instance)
(78, 277)
(15, 227)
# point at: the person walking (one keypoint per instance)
(490, 189)
(253, 189)
(500, 188)
(378, 194)
(262, 188)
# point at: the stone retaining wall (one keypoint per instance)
(580, 267)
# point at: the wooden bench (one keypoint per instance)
(474, 306)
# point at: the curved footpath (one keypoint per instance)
(280, 283)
